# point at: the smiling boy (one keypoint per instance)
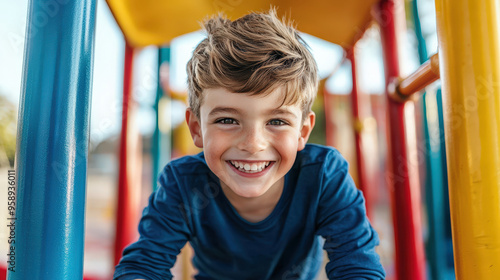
(258, 203)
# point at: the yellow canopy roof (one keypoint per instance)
(154, 22)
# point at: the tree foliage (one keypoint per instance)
(8, 121)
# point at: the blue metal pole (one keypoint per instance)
(439, 242)
(161, 146)
(53, 135)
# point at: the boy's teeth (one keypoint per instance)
(250, 168)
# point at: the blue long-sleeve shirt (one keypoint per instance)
(319, 199)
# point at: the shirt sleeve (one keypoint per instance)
(349, 238)
(163, 232)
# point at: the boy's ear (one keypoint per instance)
(306, 129)
(194, 127)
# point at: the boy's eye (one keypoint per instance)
(277, 122)
(226, 121)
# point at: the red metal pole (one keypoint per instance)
(357, 105)
(405, 194)
(128, 212)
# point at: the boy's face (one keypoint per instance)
(250, 142)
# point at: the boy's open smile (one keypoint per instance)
(250, 167)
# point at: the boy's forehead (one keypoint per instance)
(220, 99)
(278, 95)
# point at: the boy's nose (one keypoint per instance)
(253, 141)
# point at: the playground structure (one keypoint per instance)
(53, 128)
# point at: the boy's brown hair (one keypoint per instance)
(254, 54)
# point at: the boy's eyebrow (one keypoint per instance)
(281, 111)
(218, 110)
(229, 110)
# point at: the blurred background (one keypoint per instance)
(335, 127)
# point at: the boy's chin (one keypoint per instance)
(248, 191)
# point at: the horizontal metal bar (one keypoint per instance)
(427, 73)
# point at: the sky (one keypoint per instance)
(12, 25)
(108, 65)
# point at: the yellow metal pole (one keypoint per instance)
(469, 53)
